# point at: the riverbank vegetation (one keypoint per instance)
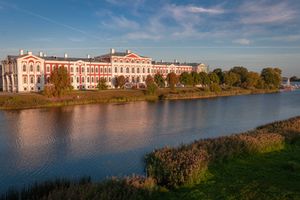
(263, 163)
(236, 81)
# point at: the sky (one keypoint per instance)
(222, 34)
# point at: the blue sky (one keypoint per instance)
(222, 34)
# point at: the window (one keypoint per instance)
(121, 70)
(96, 69)
(88, 79)
(77, 79)
(88, 70)
(105, 70)
(148, 70)
(72, 69)
(24, 68)
(82, 79)
(97, 79)
(38, 68)
(116, 70)
(138, 70)
(92, 79)
(109, 79)
(143, 70)
(82, 69)
(109, 70)
(25, 79)
(92, 69)
(72, 80)
(77, 69)
(31, 79)
(48, 79)
(38, 79)
(127, 70)
(101, 70)
(132, 70)
(31, 68)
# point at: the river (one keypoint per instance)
(111, 139)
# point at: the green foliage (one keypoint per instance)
(271, 77)
(159, 80)
(102, 84)
(214, 78)
(204, 78)
(172, 80)
(242, 71)
(220, 74)
(120, 81)
(173, 167)
(149, 80)
(152, 88)
(231, 78)
(214, 87)
(252, 80)
(186, 78)
(59, 82)
(195, 78)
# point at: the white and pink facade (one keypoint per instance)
(30, 73)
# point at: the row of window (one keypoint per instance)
(90, 80)
(132, 61)
(132, 70)
(31, 80)
(88, 70)
(31, 68)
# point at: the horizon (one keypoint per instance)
(221, 34)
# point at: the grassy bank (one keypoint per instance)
(35, 100)
(260, 164)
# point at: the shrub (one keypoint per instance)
(173, 167)
(102, 84)
(214, 87)
(152, 89)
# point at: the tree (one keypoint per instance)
(242, 71)
(172, 80)
(102, 84)
(60, 81)
(294, 79)
(203, 78)
(120, 81)
(151, 88)
(186, 78)
(231, 78)
(220, 74)
(214, 78)
(271, 77)
(149, 80)
(252, 80)
(159, 80)
(195, 78)
(214, 87)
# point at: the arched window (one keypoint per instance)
(101, 70)
(88, 79)
(72, 69)
(92, 69)
(25, 79)
(96, 69)
(109, 70)
(121, 69)
(97, 79)
(31, 67)
(148, 70)
(31, 79)
(77, 79)
(38, 79)
(132, 70)
(82, 79)
(24, 68)
(105, 70)
(143, 70)
(138, 70)
(38, 68)
(82, 69)
(88, 70)
(77, 69)
(116, 70)
(127, 70)
(92, 79)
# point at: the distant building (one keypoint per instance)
(30, 73)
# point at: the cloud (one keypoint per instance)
(242, 41)
(142, 36)
(197, 9)
(265, 12)
(122, 22)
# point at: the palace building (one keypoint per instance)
(30, 73)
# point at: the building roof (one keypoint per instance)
(175, 63)
(120, 54)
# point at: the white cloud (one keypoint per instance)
(264, 12)
(196, 9)
(142, 35)
(121, 23)
(242, 41)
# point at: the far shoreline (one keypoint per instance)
(18, 101)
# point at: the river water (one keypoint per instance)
(111, 140)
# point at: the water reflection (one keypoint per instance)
(107, 140)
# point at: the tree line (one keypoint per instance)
(269, 78)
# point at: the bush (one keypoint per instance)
(102, 84)
(152, 89)
(184, 165)
(214, 87)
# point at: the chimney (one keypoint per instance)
(41, 54)
(175, 61)
(112, 51)
(29, 52)
(66, 55)
(128, 51)
(89, 56)
(21, 52)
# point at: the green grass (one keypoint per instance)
(274, 175)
